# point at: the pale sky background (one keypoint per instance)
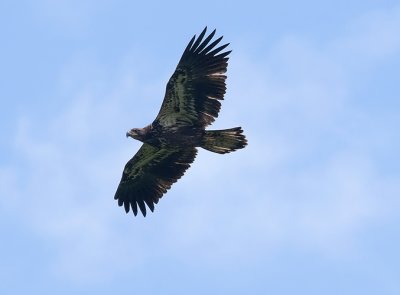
(311, 206)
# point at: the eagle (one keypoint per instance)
(170, 142)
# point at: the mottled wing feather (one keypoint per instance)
(198, 83)
(149, 174)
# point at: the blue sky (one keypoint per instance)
(311, 206)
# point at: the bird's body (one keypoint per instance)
(166, 137)
(170, 142)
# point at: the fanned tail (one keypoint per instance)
(224, 141)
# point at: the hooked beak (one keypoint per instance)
(131, 133)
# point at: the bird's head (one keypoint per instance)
(136, 133)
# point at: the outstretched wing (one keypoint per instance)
(149, 174)
(198, 83)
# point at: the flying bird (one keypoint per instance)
(170, 142)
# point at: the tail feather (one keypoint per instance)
(224, 141)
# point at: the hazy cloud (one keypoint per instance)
(303, 179)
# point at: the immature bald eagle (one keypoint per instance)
(191, 102)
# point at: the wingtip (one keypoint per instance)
(142, 207)
(126, 206)
(206, 28)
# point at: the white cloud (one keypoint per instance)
(373, 36)
(261, 208)
(73, 16)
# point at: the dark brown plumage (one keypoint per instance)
(191, 103)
